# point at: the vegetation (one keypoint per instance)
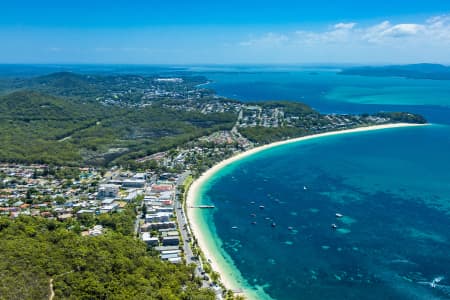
(113, 266)
(264, 135)
(40, 128)
(86, 87)
(403, 117)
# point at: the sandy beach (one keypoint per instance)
(228, 280)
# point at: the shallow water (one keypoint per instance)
(329, 92)
(393, 188)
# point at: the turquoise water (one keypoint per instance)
(327, 91)
(391, 186)
(393, 240)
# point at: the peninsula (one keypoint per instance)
(110, 158)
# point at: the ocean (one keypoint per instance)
(387, 192)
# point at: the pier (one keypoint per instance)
(203, 206)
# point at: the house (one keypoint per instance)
(132, 195)
(107, 201)
(108, 190)
(140, 176)
(160, 209)
(64, 217)
(169, 256)
(133, 183)
(161, 188)
(109, 208)
(85, 211)
(158, 217)
(166, 195)
(149, 240)
(158, 225)
(171, 241)
(175, 260)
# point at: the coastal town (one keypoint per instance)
(80, 201)
(224, 150)
(79, 197)
(146, 197)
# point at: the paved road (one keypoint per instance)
(186, 236)
(182, 222)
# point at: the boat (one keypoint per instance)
(305, 187)
(339, 215)
(274, 224)
(254, 223)
(253, 215)
(334, 226)
(261, 206)
(290, 228)
(234, 227)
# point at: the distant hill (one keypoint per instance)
(415, 71)
(86, 87)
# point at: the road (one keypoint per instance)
(183, 223)
(186, 236)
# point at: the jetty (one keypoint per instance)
(203, 206)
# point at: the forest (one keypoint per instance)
(42, 128)
(35, 252)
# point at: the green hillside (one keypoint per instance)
(36, 127)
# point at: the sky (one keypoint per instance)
(225, 32)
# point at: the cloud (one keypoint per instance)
(344, 26)
(403, 30)
(268, 40)
(341, 32)
(434, 30)
(385, 32)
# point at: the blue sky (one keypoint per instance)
(221, 32)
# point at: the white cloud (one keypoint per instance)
(402, 30)
(382, 42)
(268, 40)
(340, 32)
(434, 30)
(344, 25)
(386, 32)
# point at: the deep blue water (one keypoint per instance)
(393, 240)
(392, 186)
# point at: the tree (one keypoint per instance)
(144, 211)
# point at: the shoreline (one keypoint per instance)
(218, 264)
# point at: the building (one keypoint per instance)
(158, 217)
(171, 241)
(158, 225)
(141, 176)
(149, 240)
(133, 183)
(109, 208)
(108, 190)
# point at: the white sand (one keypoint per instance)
(226, 278)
